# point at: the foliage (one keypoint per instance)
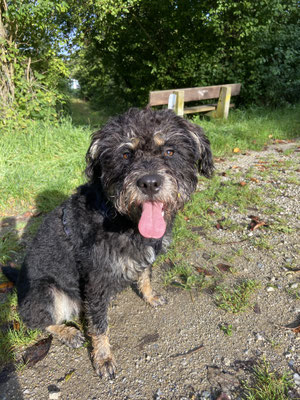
(235, 299)
(267, 384)
(156, 44)
(32, 66)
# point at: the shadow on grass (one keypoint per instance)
(15, 237)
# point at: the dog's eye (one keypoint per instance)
(126, 155)
(169, 153)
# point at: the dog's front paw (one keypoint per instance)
(156, 300)
(105, 367)
(75, 339)
(68, 335)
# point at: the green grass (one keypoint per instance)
(184, 276)
(267, 384)
(235, 299)
(227, 329)
(251, 129)
(41, 165)
(13, 333)
(83, 115)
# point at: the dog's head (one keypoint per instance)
(146, 162)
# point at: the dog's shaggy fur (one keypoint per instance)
(141, 168)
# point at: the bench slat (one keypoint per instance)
(161, 97)
(190, 110)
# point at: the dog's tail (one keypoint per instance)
(10, 273)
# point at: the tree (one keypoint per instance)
(166, 44)
(32, 36)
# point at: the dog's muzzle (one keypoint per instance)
(150, 184)
(152, 223)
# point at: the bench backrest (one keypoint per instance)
(161, 97)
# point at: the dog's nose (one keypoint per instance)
(149, 184)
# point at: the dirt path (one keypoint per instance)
(179, 351)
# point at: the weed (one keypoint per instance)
(227, 329)
(294, 292)
(267, 384)
(262, 242)
(185, 276)
(235, 299)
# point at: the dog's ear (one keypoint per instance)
(204, 155)
(93, 166)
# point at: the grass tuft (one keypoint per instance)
(235, 299)
(185, 277)
(13, 333)
(267, 384)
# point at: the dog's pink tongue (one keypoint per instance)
(152, 223)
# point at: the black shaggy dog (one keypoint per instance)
(141, 168)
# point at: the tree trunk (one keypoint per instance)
(7, 88)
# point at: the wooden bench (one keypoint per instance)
(175, 98)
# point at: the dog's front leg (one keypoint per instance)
(102, 357)
(144, 285)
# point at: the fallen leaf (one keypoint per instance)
(5, 286)
(27, 214)
(256, 223)
(236, 150)
(16, 325)
(243, 183)
(210, 212)
(219, 226)
(37, 352)
(223, 267)
(294, 326)
(254, 180)
(204, 271)
(216, 159)
(69, 375)
(259, 225)
(280, 141)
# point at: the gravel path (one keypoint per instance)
(179, 351)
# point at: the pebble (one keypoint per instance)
(259, 337)
(205, 395)
(294, 285)
(296, 379)
(226, 362)
(54, 395)
(270, 289)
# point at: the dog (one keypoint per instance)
(141, 169)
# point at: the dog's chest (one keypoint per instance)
(129, 265)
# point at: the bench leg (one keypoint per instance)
(223, 103)
(179, 102)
